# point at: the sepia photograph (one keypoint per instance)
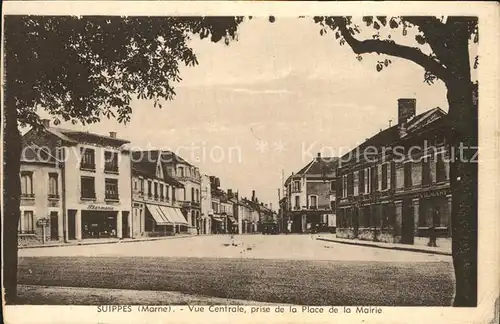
(243, 163)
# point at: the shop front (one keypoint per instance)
(98, 222)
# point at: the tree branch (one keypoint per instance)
(393, 49)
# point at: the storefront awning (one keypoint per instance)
(216, 218)
(232, 219)
(168, 213)
(158, 215)
(179, 218)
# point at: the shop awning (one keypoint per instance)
(217, 218)
(158, 215)
(232, 219)
(179, 218)
(168, 213)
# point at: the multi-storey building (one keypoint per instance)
(206, 205)
(95, 181)
(310, 194)
(41, 206)
(395, 185)
(156, 209)
(190, 177)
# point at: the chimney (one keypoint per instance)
(112, 134)
(230, 193)
(318, 156)
(406, 109)
(46, 123)
(253, 195)
(271, 206)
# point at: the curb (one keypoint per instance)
(399, 248)
(106, 242)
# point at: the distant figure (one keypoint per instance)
(289, 228)
(432, 229)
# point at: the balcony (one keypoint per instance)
(296, 208)
(191, 204)
(112, 198)
(27, 196)
(113, 169)
(53, 196)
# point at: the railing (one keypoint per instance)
(53, 196)
(111, 168)
(87, 167)
(27, 195)
(112, 197)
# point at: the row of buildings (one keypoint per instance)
(77, 185)
(394, 187)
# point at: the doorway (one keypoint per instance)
(54, 225)
(408, 223)
(71, 224)
(125, 225)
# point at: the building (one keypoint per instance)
(310, 194)
(156, 209)
(398, 192)
(41, 206)
(190, 177)
(206, 205)
(233, 215)
(95, 181)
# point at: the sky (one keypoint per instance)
(270, 101)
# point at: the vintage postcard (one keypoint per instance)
(253, 161)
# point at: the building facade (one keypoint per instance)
(156, 209)
(190, 177)
(95, 181)
(310, 197)
(206, 205)
(41, 206)
(402, 189)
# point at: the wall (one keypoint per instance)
(40, 204)
(322, 190)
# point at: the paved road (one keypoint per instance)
(296, 269)
(288, 247)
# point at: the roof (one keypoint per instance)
(391, 134)
(145, 162)
(74, 137)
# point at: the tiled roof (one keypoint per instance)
(73, 136)
(391, 134)
(145, 162)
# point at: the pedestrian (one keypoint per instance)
(432, 229)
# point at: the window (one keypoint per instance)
(27, 184)
(135, 184)
(297, 202)
(350, 183)
(426, 172)
(296, 186)
(374, 178)
(344, 185)
(192, 194)
(26, 224)
(332, 186)
(88, 158)
(142, 186)
(361, 181)
(53, 185)
(197, 195)
(110, 161)
(150, 194)
(173, 194)
(385, 183)
(88, 188)
(180, 172)
(333, 205)
(156, 190)
(111, 189)
(161, 192)
(167, 194)
(441, 175)
(407, 175)
(367, 180)
(313, 202)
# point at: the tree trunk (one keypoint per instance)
(463, 179)
(11, 198)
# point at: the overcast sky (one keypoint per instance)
(281, 84)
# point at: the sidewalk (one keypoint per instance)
(443, 248)
(106, 241)
(53, 295)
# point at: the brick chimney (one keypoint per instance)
(406, 109)
(46, 123)
(112, 134)
(230, 193)
(253, 195)
(318, 157)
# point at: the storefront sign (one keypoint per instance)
(99, 207)
(429, 194)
